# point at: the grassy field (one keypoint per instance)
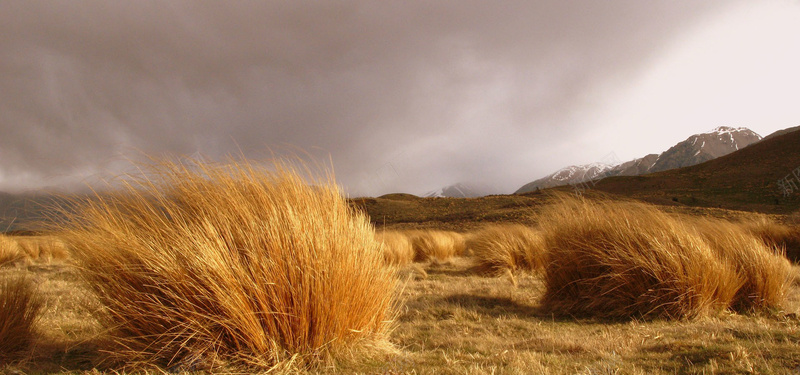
(453, 321)
(170, 282)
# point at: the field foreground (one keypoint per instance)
(234, 269)
(452, 321)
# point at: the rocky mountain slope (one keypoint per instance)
(694, 150)
(763, 177)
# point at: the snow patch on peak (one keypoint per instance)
(729, 130)
(435, 194)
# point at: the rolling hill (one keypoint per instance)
(747, 179)
(694, 150)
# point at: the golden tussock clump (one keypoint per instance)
(459, 243)
(436, 245)
(617, 259)
(20, 308)
(766, 272)
(43, 248)
(397, 249)
(775, 234)
(512, 247)
(10, 251)
(209, 264)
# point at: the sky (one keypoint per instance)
(401, 96)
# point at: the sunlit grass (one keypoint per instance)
(10, 251)
(208, 265)
(497, 248)
(625, 259)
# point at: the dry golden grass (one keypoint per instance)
(500, 247)
(43, 249)
(459, 242)
(206, 265)
(775, 234)
(436, 245)
(450, 320)
(10, 251)
(766, 272)
(456, 322)
(623, 259)
(397, 249)
(20, 308)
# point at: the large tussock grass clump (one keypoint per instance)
(766, 272)
(436, 245)
(206, 265)
(513, 247)
(20, 308)
(623, 259)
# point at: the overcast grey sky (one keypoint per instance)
(404, 96)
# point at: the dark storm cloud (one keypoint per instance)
(404, 96)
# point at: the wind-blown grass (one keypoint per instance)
(623, 259)
(203, 265)
(43, 249)
(397, 249)
(20, 308)
(436, 245)
(513, 247)
(10, 251)
(776, 235)
(766, 272)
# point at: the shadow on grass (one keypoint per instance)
(496, 307)
(68, 357)
(436, 270)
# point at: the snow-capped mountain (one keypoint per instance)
(703, 147)
(574, 174)
(634, 167)
(694, 150)
(460, 190)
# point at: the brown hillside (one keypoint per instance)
(744, 180)
(447, 213)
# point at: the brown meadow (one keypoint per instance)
(231, 268)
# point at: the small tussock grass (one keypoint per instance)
(10, 251)
(507, 247)
(20, 308)
(43, 249)
(459, 243)
(233, 265)
(397, 249)
(766, 272)
(436, 245)
(615, 259)
(775, 234)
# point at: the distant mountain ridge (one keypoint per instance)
(694, 150)
(764, 177)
